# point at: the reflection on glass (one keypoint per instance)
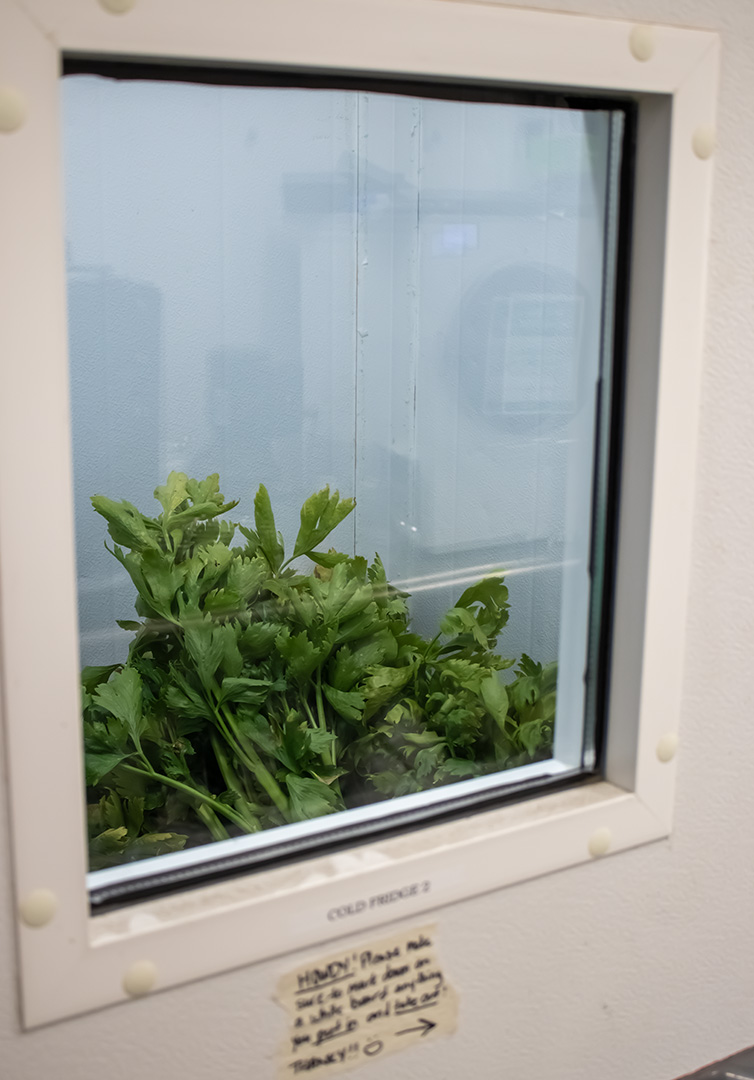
(310, 292)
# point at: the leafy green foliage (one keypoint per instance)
(255, 694)
(319, 516)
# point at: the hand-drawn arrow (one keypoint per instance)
(424, 1027)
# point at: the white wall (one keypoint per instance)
(637, 967)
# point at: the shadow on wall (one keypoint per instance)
(738, 1067)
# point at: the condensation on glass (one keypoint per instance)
(407, 299)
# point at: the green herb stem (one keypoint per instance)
(309, 713)
(233, 784)
(264, 776)
(216, 828)
(249, 756)
(328, 756)
(209, 800)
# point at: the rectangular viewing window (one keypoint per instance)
(381, 321)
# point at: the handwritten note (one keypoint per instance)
(363, 1003)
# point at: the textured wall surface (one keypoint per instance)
(638, 967)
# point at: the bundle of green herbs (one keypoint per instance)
(255, 694)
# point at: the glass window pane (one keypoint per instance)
(404, 299)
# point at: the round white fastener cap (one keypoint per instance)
(12, 109)
(703, 141)
(38, 907)
(599, 842)
(667, 747)
(117, 7)
(641, 42)
(140, 978)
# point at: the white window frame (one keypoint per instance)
(72, 962)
